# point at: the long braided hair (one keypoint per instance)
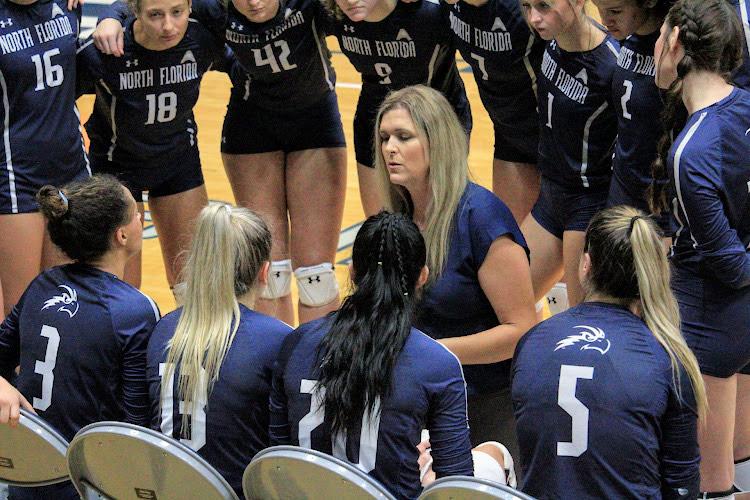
(711, 36)
(370, 329)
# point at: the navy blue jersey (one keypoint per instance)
(412, 45)
(41, 130)
(741, 77)
(710, 192)
(597, 412)
(428, 392)
(455, 305)
(503, 52)
(577, 121)
(232, 424)
(144, 100)
(638, 102)
(80, 337)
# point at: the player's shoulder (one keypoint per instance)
(124, 300)
(428, 356)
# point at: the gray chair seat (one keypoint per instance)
(470, 488)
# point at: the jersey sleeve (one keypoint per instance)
(448, 421)
(489, 220)
(279, 428)
(118, 10)
(211, 14)
(699, 193)
(10, 342)
(88, 67)
(680, 457)
(133, 326)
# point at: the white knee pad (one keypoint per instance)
(557, 298)
(486, 467)
(279, 280)
(742, 475)
(317, 284)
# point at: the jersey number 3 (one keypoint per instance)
(566, 398)
(46, 368)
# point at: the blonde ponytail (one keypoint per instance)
(227, 253)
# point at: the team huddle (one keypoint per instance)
(620, 189)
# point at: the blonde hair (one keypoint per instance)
(228, 251)
(438, 125)
(628, 262)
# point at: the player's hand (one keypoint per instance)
(73, 4)
(108, 37)
(425, 463)
(11, 401)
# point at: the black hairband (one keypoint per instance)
(632, 223)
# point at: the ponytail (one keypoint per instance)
(369, 331)
(228, 251)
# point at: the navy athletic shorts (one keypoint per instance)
(18, 194)
(512, 110)
(180, 174)
(622, 193)
(715, 322)
(249, 129)
(561, 209)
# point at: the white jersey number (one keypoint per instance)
(566, 398)
(197, 437)
(384, 71)
(482, 68)
(46, 72)
(265, 56)
(550, 100)
(161, 108)
(46, 368)
(368, 439)
(625, 98)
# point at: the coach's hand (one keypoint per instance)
(108, 37)
(11, 401)
(73, 4)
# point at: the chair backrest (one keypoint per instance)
(124, 461)
(470, 488)
(282, 472)
(32, 453)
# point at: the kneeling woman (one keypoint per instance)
(361, 383)
(215, 355)
(607, 394)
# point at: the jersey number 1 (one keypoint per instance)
(566, 398)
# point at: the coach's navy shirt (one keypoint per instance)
(597, 412)
(428, 392)
(80, 337)
(231, 425)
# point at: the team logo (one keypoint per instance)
(583, 76)
(589, 336)
(9, 22)
(236, 26)
(288, 13)
(56, 10)
(188, 57)
(403, 35)
(498, 24)
(132, 62)
(68, 301)
(348, 29)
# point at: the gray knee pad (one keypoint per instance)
(742, 475)
(317, 285)
(279, 280)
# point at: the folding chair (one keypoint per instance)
(125, 461)
(470, 488)
(290, 472)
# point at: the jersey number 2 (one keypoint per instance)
(368, 439)
(566, 398)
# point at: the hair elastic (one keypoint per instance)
(64, 199)
(632, 223)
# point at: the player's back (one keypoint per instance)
(427, 391)
(591, 388)
(232, 424)
(80, 331)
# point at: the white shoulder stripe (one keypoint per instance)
(745, 22)
(676, 167)
(154, 307)
(82, 47)
(613, 49)
(6, 145)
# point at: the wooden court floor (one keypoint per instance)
(210, 115)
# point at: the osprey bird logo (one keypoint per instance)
(592, 337)
(68, 301)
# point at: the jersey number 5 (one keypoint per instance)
(566, 398)
(368, 439)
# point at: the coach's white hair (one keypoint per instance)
(438, 126)
(227, 254)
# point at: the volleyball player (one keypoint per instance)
(211, 361)
(41, 131)
(700, 46)
(79, 332)
(282, 144)
(637, 100)
(393, 44)
(142, 128)
(578, 126)
(363, 390)
(505, 55)
(607, 394)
